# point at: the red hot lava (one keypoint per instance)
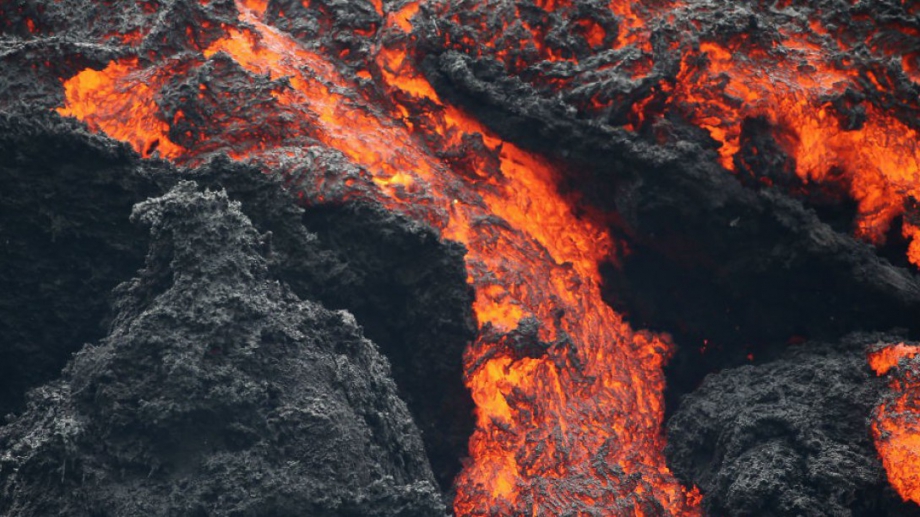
(895, 424)
(568, 396)
(835, 83)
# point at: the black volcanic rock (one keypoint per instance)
(408, 289)
(216, 392)
(788, 437)
(404, 284)
(66, 242)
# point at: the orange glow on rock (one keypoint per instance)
(884, 359)
(120, 101)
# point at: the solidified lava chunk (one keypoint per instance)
(67, 242)
(216, 392)
(406, 287)
(787, 437)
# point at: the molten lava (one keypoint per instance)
(91, 90)
(896, 426)
(568, 396)
(877, 158)
(826, 93)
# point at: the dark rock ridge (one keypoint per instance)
(217, 392)
(406, 287)
(66, 242)
(788, 437)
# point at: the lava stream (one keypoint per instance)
(895, 426)
(569, 397)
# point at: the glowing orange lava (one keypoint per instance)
(571, 422)
(895, 426)
(878, 160)
(89, 98)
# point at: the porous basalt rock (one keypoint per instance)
(217, 391)
(66, 242)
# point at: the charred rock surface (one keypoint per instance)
(217, 391)
(406, 287)
(787, 437)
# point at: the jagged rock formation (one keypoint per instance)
(67, 242)
(217, 391)
(788, 437)
(406, 286)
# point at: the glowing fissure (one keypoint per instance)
(573, 424)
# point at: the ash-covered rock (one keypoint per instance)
(406, 287)
(788, 437)
(217, 392)
(408, 290)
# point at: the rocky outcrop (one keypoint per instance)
(788, 437)
(217, 391)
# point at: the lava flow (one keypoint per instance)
(895, 425)
(568, 396)
(838, 99)
(818, 98)
(873, 155)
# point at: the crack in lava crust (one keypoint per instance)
(568, 396)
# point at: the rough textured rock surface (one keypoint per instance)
(788, 437)
(408, 290)
(406, 287)
(66, 242)
(217, 392)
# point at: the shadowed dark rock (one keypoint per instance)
(65, 243)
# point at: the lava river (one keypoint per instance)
(568, 396)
